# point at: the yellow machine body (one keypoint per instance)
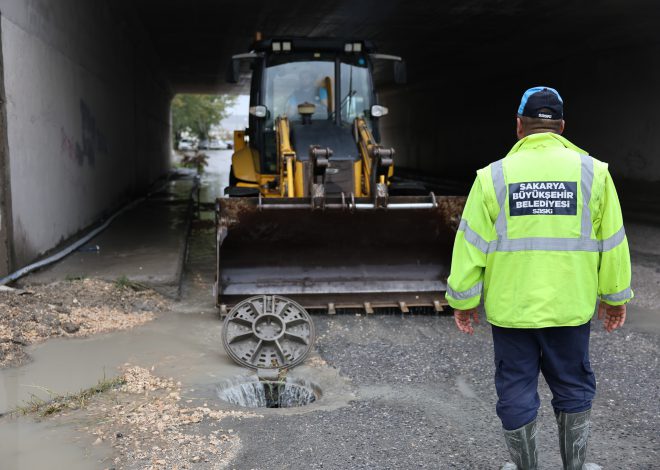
(313, 211)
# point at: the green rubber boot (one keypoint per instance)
(522, 448)
(573, 437)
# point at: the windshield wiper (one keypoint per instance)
(350, 94)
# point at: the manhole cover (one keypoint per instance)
(268, 332)
(252, 393)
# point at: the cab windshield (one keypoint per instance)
(292, 86)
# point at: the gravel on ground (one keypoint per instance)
(151, 426)
(426, 399)
(75, 308)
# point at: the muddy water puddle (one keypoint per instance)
(30, 445)
(184, 346)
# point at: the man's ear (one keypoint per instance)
(561, 129)
(519, 128)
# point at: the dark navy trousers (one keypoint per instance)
(560, 353)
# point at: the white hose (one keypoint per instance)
(77, 244)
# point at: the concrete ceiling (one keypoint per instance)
(195, 39)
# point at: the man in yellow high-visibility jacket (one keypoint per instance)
(542, 238)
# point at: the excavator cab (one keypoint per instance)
(319, 92)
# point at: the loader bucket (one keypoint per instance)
(348, 254)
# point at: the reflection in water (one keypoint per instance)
(29, 445)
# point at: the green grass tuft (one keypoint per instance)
(58, 403)
(125, 283)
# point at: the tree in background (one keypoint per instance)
(197, 113)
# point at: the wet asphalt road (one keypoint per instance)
(426, 399)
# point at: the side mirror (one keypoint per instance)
(234, 72)
(400, 73)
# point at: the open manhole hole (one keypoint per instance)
(250, 392)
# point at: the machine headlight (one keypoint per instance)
(286, 46)
(277, 46)
(259, 111)
(379, 111)
(348, 47)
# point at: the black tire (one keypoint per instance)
(233, 190)
(233, 181)
(240, 191)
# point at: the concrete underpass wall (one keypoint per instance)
(455, 124)
(88, 117)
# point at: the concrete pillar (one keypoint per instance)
(5, 188)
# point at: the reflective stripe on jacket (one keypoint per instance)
(542, 236)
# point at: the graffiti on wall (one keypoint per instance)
(93, 141)
(67, 146)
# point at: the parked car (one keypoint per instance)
(186, 144)
(203, 145)
(218, 144)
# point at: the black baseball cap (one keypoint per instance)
(542, 102)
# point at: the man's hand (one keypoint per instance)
(614, 316)
(463, 319)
